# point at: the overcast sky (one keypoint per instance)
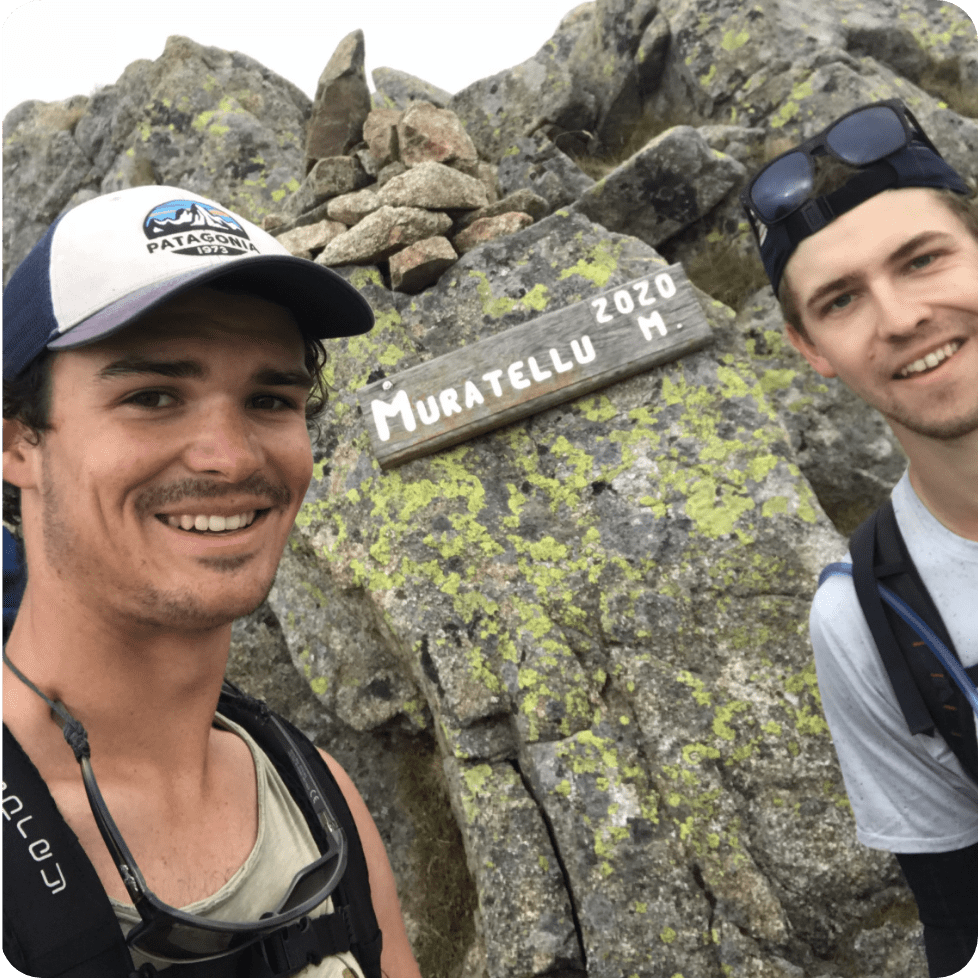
(53, 49)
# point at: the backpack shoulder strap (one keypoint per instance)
(57, 919)
(352, 897)
(862, 546)
(919, 680)
(947, 703)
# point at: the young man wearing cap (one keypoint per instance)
(159, 353)
(877, 274)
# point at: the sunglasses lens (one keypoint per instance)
(170, 940)
(318, 879)
(867, 136)
(782, 187)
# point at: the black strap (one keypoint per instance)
(862, 546)
(57, 917)
(929, 698)
(284, 953)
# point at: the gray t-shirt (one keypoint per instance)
(908, 792)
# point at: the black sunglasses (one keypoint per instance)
(177, 937)
(860, 138)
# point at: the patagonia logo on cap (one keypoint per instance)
(192, 227)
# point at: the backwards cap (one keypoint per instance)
(915, 165)
(113, 258)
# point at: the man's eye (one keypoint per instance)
(151, 399)
(271, 402)
(840, 302)
(921, 261)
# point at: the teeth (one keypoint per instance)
(931, 360)
(211, 524)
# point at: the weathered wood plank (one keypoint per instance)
(533, 366)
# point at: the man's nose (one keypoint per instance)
(224, 442)
(902, 309)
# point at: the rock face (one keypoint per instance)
(397, 90)
(675, 180)
(566, 662)
(571, 597)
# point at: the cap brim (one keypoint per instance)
(324, 304)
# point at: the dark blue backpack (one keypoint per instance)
(935, 692)
(14, 580)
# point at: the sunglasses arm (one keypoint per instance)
(326, 816)
(132, 878)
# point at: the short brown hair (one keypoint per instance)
(964, 208)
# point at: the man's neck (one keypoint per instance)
(944, 474)
(145, 697)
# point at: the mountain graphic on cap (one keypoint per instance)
(181, 215)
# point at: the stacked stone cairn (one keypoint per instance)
(404, 187)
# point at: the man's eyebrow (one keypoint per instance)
(271, 377)
(895, 258)
(917, 241)
(133, 365)
(836, 285)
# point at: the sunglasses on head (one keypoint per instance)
(860, 138)
(172, 935)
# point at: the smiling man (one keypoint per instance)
(161, 359)
(870, 240)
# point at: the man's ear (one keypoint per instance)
(809, 351)
(19, 452)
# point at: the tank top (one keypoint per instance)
(283, 847)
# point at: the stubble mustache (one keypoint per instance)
(156, 498)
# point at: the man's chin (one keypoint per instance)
(199, 611)
(947, 430)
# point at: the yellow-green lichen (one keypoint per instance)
(734, 40)
(598, 267)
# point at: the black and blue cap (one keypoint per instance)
(882, 141)
(108, 261)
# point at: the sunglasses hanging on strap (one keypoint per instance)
(170, 934)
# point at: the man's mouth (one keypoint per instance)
(204, 523)
(933, 359)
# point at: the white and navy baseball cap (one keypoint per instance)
(113, 258)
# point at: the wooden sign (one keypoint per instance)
(533, 366)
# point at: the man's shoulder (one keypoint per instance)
(837, 625)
